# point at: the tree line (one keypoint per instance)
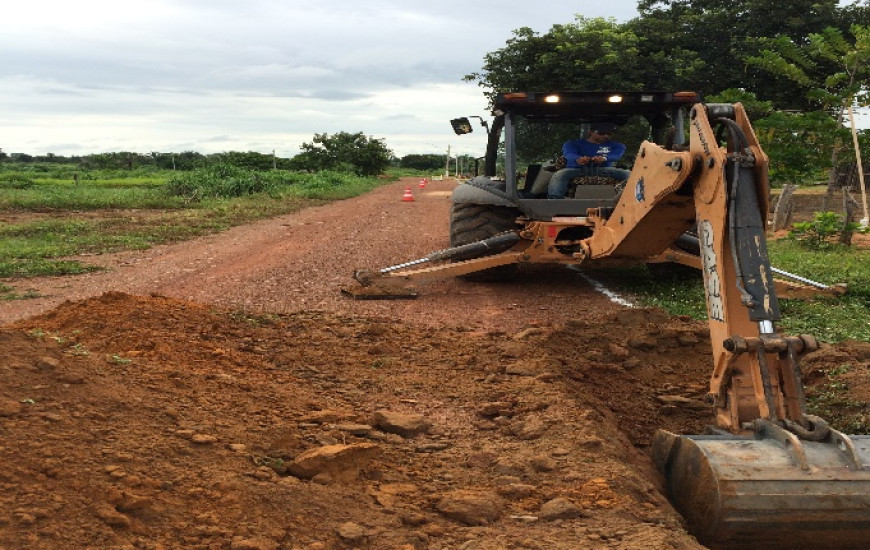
(797, 65)
(343, 151)
(362, 157)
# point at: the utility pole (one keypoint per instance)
(447, 164)
(865, 221)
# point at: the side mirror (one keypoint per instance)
(461, 126)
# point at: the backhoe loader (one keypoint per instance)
(767, 475)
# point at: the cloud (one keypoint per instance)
(258, 75)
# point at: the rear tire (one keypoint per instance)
(669, 271)
(474, 222)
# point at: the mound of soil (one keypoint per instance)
(221, 394)
(150, 422)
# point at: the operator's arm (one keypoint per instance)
(574, 153)
(616, 151)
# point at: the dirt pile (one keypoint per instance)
(149, 422)
(257, 409)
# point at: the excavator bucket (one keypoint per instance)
(769, 491)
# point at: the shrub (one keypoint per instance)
(13, 180)
(823, 230)
(222, 181)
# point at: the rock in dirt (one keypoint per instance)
(521, 369)
(615, 351)
(687, 339)
(673, 399)
(389, 495)
(351, 532)
(531, 331)
(559, 508)
(642, 342)
(47, 363)
(110, 515)
(531, 428)
(342, 462)
(542, 463)
(494, 408)
(860, 350)
(405, 425)
(9, 407)
(516, 491)
(354, 429)
(470, 507)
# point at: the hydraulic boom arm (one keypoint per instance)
(723, 190)
(772, 476)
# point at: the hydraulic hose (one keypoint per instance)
(737, 135)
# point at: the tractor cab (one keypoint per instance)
(529, 128)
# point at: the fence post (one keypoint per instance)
(784, 207)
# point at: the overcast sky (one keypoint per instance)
(91, 76)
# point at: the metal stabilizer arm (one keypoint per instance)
(467, 258)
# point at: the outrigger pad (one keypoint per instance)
(379, 293)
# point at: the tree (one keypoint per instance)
(587, 54)
(723, 33)
(187, 160)
(364, 156)
(698, 45)
(791, 140)
(428, 162)
(831, 67)
(250, 160)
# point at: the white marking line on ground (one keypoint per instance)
(614, 297)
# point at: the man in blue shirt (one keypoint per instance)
(592, 156)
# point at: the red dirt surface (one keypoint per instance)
(222, 394)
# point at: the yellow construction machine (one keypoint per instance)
(767, 475)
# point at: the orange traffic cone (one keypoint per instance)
(408, 196)
(423, 183)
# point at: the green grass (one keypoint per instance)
(8, 293)
(46, 191)
(107, 212)
(830, 399)
(678, 295)
(828, 319)
(45, 197)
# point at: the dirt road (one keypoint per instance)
(298, 262)
(222, 394)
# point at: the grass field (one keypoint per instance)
(50, 215)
